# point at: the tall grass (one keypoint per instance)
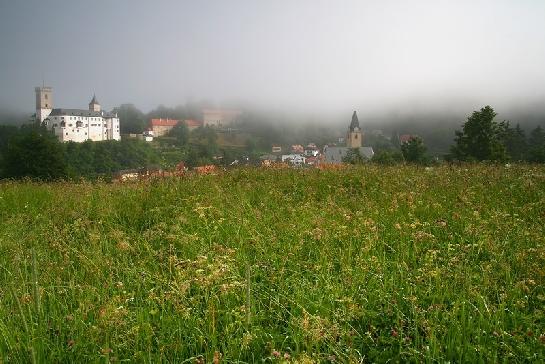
(365, 264)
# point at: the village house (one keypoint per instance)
(404, 138)
(268, 159)
(294, 159)
(220, 117)
(297, 149)
(276, 148)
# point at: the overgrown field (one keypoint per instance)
(362, 264)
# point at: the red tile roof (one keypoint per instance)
(164, 122)
(192, 123)
(405, 138)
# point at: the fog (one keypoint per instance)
(304, 56)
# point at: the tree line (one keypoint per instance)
(482, 138)
(32, 151)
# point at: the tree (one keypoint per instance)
(414, 151)
(536, 146)
(181, 133)
(515, 142)
(387, 157)
(353, 156)
(36, 155)
(481, 138)
(131, 120)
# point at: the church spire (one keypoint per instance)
(355, 122)
(94, 105)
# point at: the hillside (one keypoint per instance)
(359, 264)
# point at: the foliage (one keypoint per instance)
(380, 143)
(34, 154)
(414, 151)
(387, 157)
(536, 146)
(181, 134)
(481, 138)
(206, 138)
(94, 159)
(515, 143)
(362, 264)
(131, 120)
(353, 156)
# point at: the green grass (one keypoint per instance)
(364, 264)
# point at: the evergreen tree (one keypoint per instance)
(481, 138)
(536, 146)
(414, 151)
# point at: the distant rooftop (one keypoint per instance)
(80, 112)
(164, 122)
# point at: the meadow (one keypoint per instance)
(363, 264)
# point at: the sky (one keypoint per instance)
(304, 55)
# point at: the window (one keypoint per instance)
(69, 124)
(45, 96)
(356, 136)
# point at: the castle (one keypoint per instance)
(76, 125)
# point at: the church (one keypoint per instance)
(76, 125)
(354, 140)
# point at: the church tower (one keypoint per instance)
(354, 136)
(94, 105)
(44, 102)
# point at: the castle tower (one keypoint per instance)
(354, 137)
(44, 102)
(94, 105)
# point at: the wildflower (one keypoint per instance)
(217, 357)
(441, 223)
(394, 333)
(71, 343)
(69, 317)
(276, 353)
(287, 356)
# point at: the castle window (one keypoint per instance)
(45, 97)
(356, 137)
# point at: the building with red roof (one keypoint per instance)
(161, 127)
(219, 117)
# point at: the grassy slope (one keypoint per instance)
(368, 263)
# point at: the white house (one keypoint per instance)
(77, 125)
(294, 159)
